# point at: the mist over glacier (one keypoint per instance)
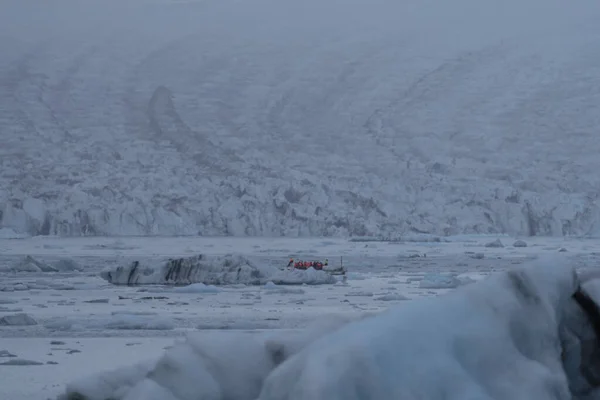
(299, 118)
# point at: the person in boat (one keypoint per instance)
(308, 264)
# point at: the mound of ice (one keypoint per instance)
(30, 264)
(213, 270)
(439, 281)
(20, 319)
(457, 346)
(495, 244)
(208, 365)
(210, 270)
(108, 385)
(8, 233)
(6, 353)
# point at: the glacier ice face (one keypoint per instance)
(518, 335)
(159, 119)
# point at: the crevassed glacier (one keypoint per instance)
(160, 119)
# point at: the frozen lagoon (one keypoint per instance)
(104, 326)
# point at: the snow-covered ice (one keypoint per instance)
(206, 365)
(503, 338)
(289, 117)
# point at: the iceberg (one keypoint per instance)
(210, 270)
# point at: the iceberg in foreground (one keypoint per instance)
(503, 338)
(210, 270)
(209, 365)
(516, 335)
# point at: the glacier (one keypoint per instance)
(528, 333)
(299, 118)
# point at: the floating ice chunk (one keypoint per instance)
(20, 362)
(391, 297)
(495, 244)
(20, 319)
(439, 281)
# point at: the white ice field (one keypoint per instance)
(61, 322)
